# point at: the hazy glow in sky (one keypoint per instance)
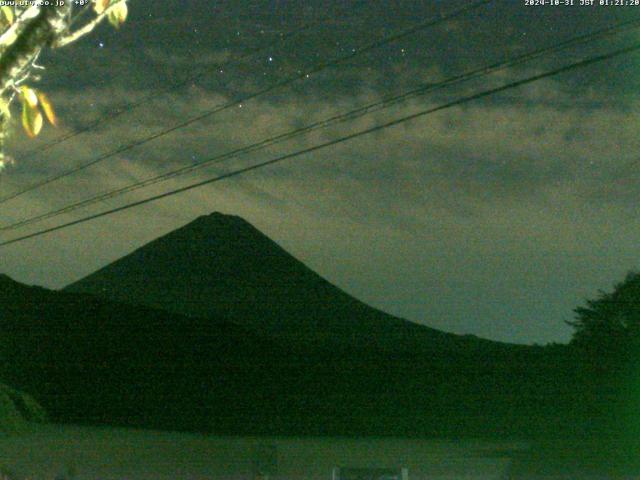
(496, 218)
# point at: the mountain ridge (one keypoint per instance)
(220, 265)
(88, 360)
(216, 328)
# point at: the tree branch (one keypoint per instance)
(42, 30)
(15, 30)
(88, 28)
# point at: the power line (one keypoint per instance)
(392, 123)
(348, 116)
(175, 86)
(145, 99)
(283, 83)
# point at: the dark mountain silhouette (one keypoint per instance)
(221, 266)
(215, 328)
(355, 366)
(18, 411)
(90, 360)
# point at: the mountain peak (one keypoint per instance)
(220, 265)
(219, 217)
(216, 225)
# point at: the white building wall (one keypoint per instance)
(104, 453)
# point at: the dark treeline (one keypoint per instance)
(281, 351)
(93, 361)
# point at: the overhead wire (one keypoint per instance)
(173, 18)
(444, 17)
(334, 120)
(144, 100)
(398, 121)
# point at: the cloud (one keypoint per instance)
(471, 219)
(463, 159)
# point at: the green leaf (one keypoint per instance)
(31, 119)
(100, 6)
(29, 96)
(47, 108)
(5, 112)
(118, 14)
(7, 14)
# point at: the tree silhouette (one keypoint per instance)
(610, 324)
(607, 340)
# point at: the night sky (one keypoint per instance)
(495, 218)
